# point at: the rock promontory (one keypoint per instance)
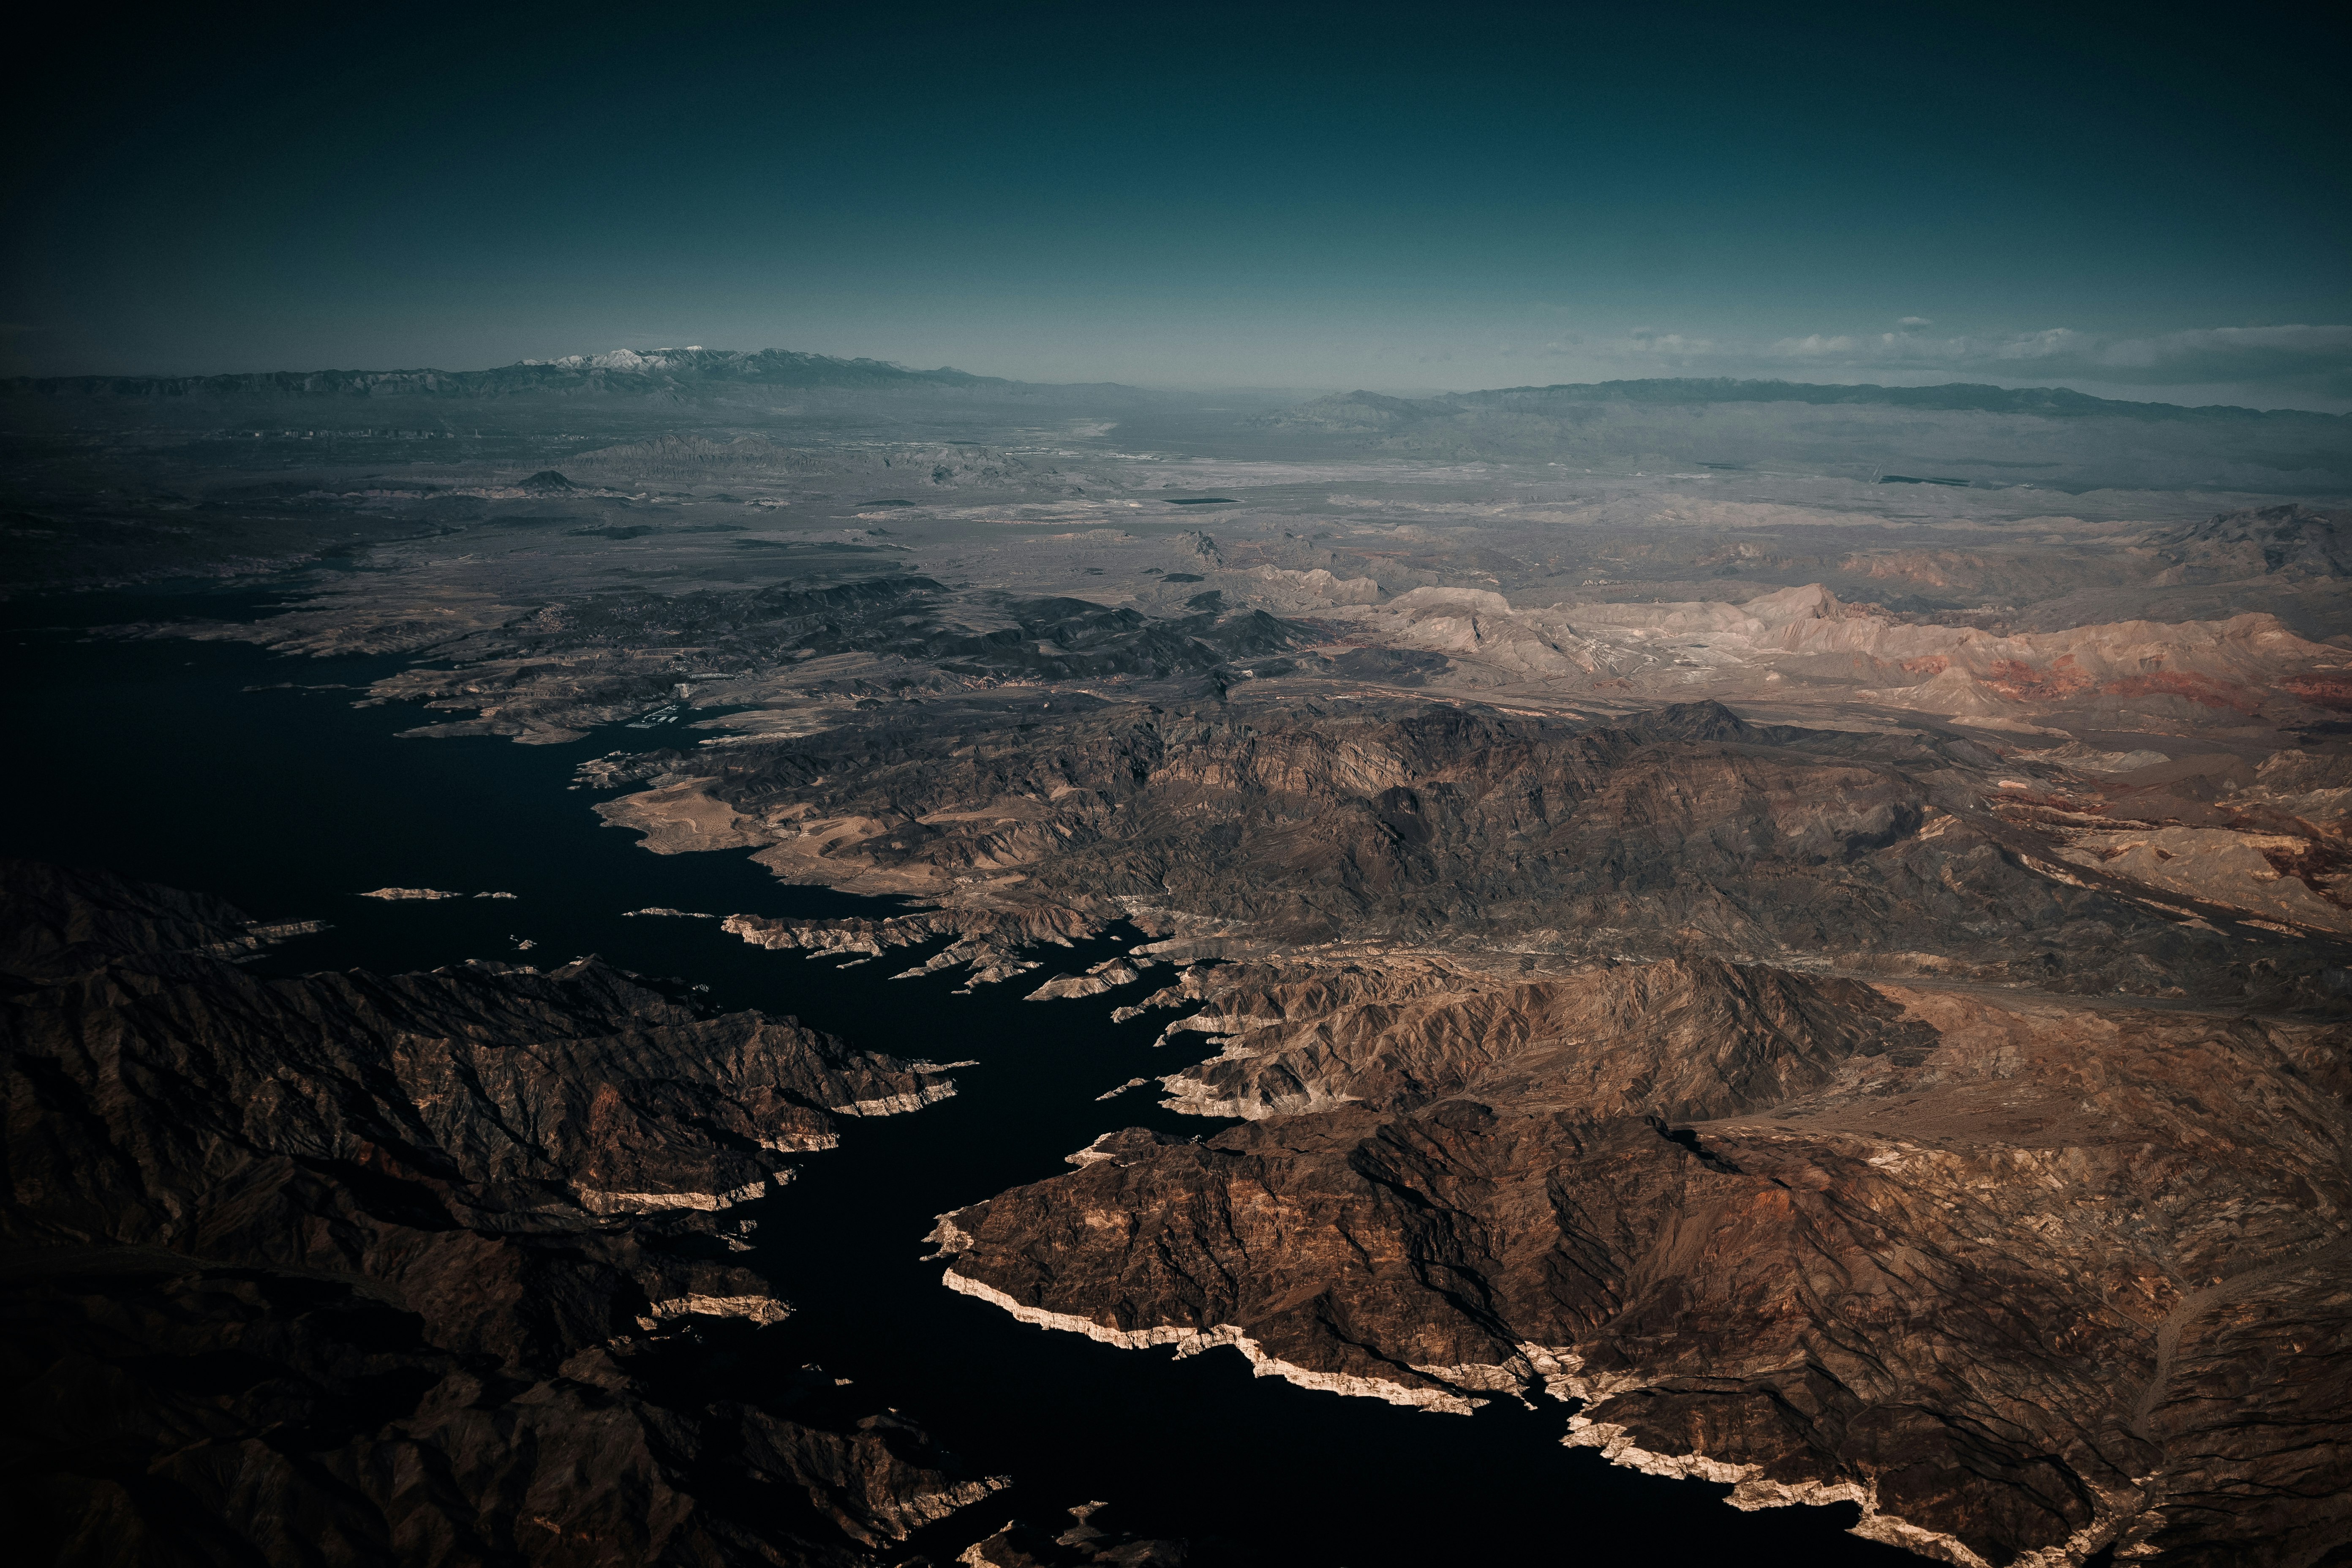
(2026, 1277)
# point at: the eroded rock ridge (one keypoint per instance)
(361, 1268)
(2025, 1280)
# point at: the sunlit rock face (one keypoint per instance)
(2025, 1279)
(1929, 1236)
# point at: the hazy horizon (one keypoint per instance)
(1206, 197)
(1405, 390)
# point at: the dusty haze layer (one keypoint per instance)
(1812, 927)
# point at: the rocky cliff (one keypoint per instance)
(1772, 1092)
(2026, 1279)
(359, 1268)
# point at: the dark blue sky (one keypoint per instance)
(2125, 201)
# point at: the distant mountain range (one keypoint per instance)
(673, 372)
(696, 371)
(1373, 412)
(1951, 435)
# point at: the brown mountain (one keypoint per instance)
(356, 1268)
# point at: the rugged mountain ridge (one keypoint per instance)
(2027, 1281)
(1409, 778)
(352, 1268)
(1687, 830)
(1873, 1212)
(2298, 542)
(550, 675)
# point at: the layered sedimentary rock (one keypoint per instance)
(1803, 642)
(2024, 1278)
(351, 1267)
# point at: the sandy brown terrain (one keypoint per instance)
(1824, 948)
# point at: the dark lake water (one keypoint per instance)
(152, 758)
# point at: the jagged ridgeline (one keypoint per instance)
(1955, 1258)
(1824, 1124)
(354, 1268)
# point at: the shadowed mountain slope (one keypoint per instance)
(2025, 1280)
(352, 1268)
